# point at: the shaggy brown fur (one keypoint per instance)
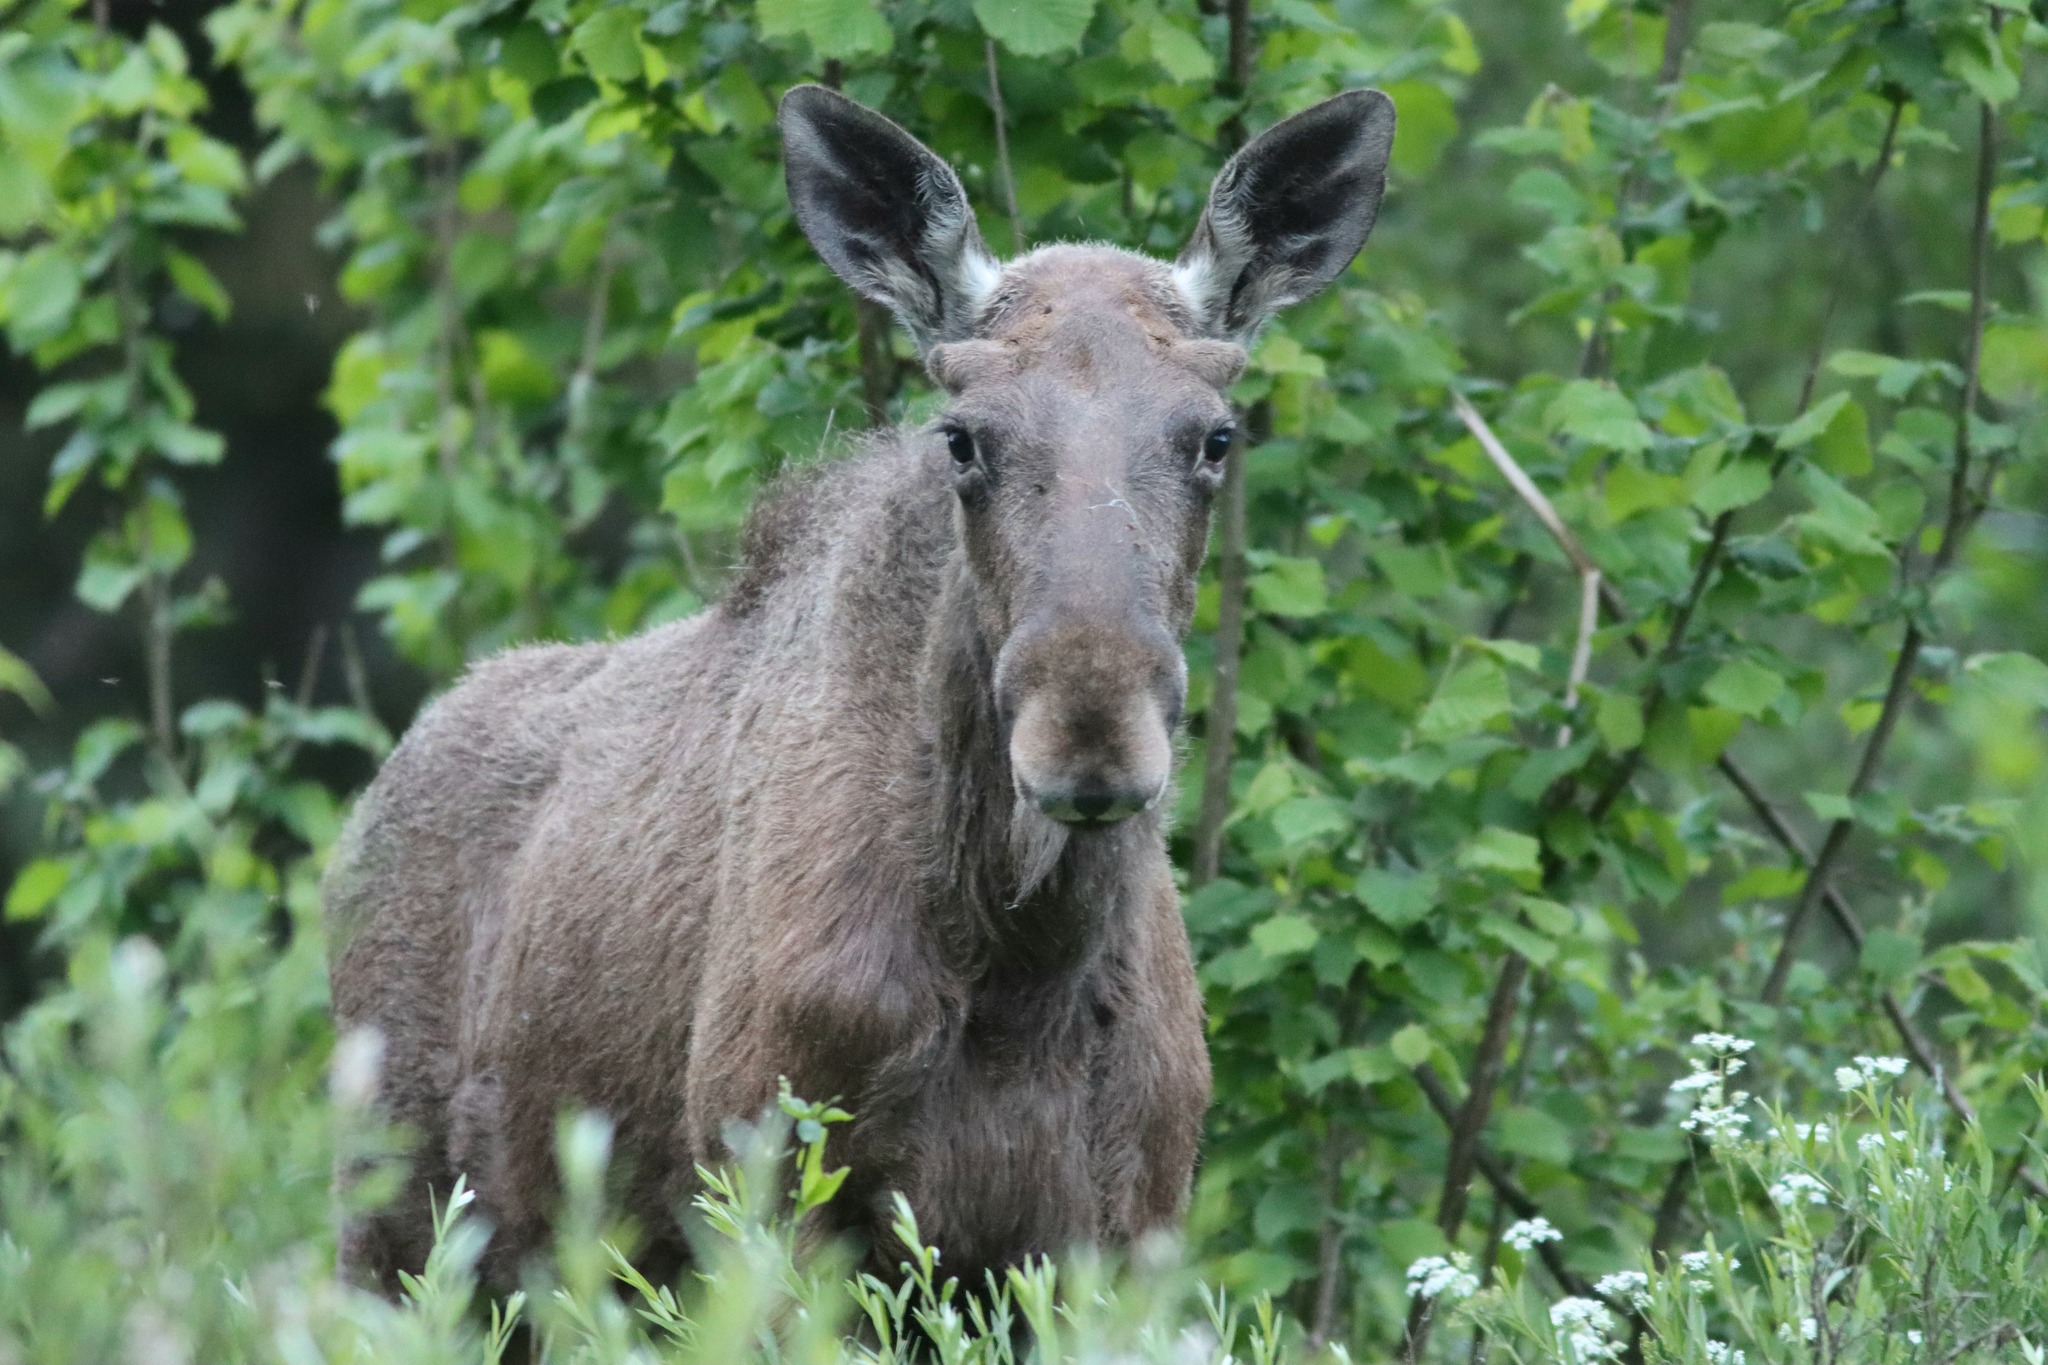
(803, 834)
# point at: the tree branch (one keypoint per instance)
(1954, 528)
(1220, 728)
(1008, 177)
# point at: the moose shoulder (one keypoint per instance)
(887, 820)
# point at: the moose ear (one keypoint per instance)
(888, 215)
(1288, 212)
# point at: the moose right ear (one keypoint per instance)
(886, 213)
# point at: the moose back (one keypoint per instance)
(886, 821)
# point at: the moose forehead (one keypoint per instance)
(1088, 320)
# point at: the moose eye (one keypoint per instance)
(960, 446)
(1218, 444)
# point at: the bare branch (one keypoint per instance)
(1582, 652)
(1009, 178)
(1954, 528)
(1524, 486)
(1220, 729)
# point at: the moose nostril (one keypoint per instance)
(1093, 807)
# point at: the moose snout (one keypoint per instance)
(1091, 734)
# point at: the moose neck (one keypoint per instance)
(1014, 893)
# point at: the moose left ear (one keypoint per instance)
(1288, 212)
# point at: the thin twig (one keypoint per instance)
(1505, 1186)
(354, 674)
(1724, 524)
(1582, 652)
(1954, 528)
(1524, 486)
(1916, 1043)
(1009, 178)
(1220, 728)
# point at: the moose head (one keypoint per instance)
(1087, 431)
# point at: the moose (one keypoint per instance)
(888, 819)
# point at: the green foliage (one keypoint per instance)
(1709, 275)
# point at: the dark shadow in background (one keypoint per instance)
(266, 521)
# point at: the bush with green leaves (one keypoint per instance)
(1624, 622)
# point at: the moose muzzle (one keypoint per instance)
(1091, 706)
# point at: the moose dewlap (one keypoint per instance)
(887, 820)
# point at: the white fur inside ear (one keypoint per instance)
(1208, 270)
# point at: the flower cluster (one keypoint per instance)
(1869, 1071)
(1794, 1186)
(1450, 1278)
(1525, 1235)
(1721, 1353)
(1717, 1112)
(1586, 1327)
(1699, 1266)
(1625, 1286)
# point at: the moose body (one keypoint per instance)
(887, 820)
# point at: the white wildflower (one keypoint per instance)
(1721, 1353)
(1913, 1336)
(1629, 1286)
(1716, 1123)
(1813, 1132)
(1698, 1080)
(1587, 1328)
(1808, 1329)
(1437, 1276)
(1722, 1044)
(1699, 1265)
(1524, 1236)
(1869, 1071)
(1793, 1186)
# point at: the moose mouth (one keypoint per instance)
(1091, 809)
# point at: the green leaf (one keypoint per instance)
(1284, 936)
(104, 585)
(1530, 1132)
(609, 43)
(1518, 937)
(1398, 899)
(559, 99)
(197, 283)
(1745, 686)
(1619, 719)
(1494, 849)
(1179, 53)
(1831, 805)
(1888, 954)
(1843, 446)
(1035, 28)
(1470, 699)
(1736, 485)
(1632, 489)
(38, 294)
(1428, 124)
(1599, 414)
(2014, 365)
(17, 677)
(836, 27)
(1811, 423)
(37, 885)
(1411, 1045)
(2011, 674)
(1290, 587)
(1308, 818)
(1974, 58)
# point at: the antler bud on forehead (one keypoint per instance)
(1218, 363)
(955, 365)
